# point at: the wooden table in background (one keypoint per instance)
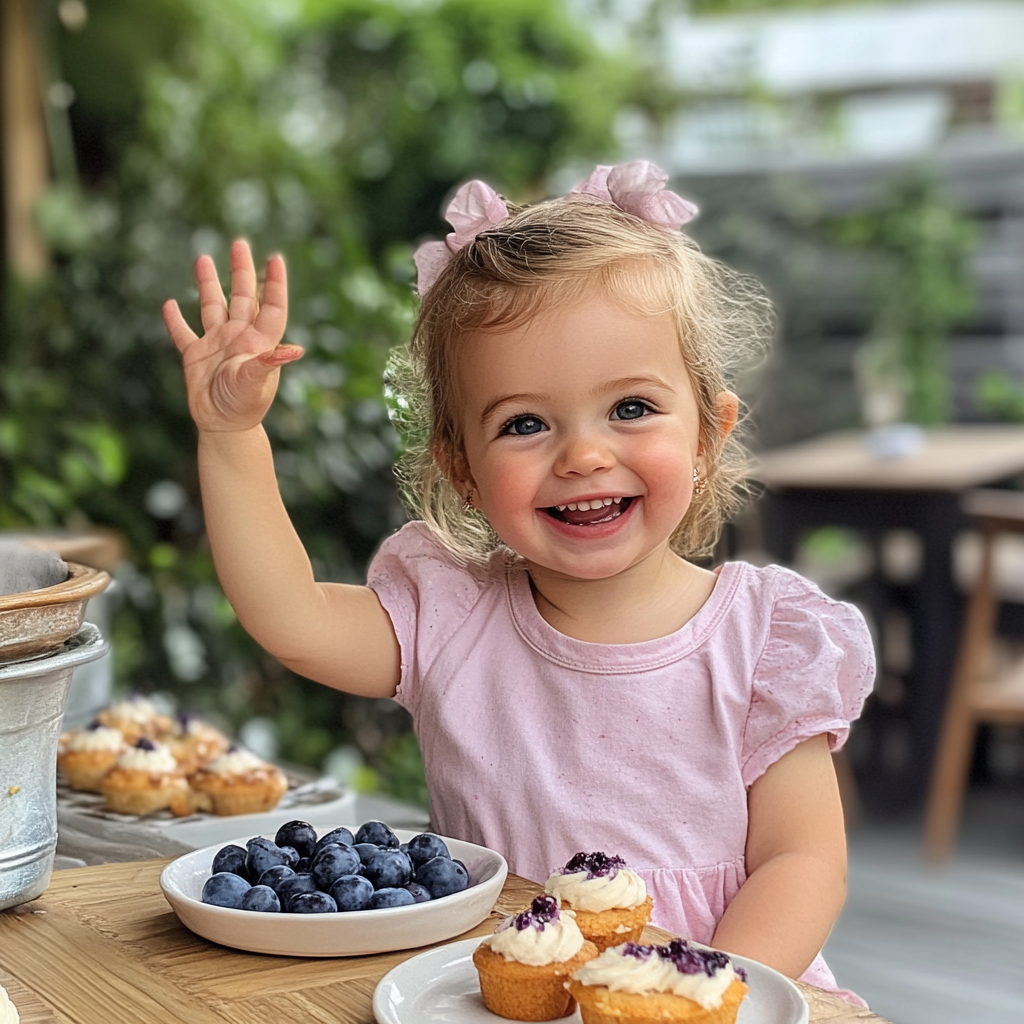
(834, 480)
(102, 946)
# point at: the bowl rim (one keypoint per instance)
(82, 583)
(251, 915)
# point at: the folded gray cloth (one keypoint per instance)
(23, 568)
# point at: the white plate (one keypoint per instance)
(440, 986)
(347, 934)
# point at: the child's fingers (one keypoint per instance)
(181, 334)
(213, 309)
(273, 311)
(244, 305)
(255, 370)
(282, 354)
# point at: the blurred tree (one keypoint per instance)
(329, 130)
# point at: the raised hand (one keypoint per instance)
(232, 371)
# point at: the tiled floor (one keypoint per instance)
(926, 946)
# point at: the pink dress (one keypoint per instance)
(539, 745)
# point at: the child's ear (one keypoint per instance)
(454, 464)
(728, 407)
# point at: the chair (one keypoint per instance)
(983, 690)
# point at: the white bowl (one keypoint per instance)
(352, 933)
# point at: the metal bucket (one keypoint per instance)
(32, 697)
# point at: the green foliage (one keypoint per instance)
(918, 248)
(329, 131)
(1000, 396)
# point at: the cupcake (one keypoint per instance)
(144, 779)
(238, 782)
(86, 755)
(135, 718)
(681, 983)
(610, 900)
(194, 743)
(524, 965)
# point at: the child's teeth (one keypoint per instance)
(586, 506)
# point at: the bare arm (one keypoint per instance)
(335, 634)
(796, 863)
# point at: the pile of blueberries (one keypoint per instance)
(300, 874)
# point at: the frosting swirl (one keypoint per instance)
(146, 756)
(538, 936)
(235, 762)
(95, 737)
(134, 710)
(681, 968)
(595, 882)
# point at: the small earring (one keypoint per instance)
(699, 485)
(467, 502)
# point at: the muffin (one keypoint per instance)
(524, 965)
(194, 743)
(238, 782)
(86, 755)
(135, 718)
(680, 983)
(609, 899)
(144, 779)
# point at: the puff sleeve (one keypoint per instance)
(426, 593)
(815, 671)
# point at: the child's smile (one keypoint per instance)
(581, 436)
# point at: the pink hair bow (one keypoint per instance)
(638, 188)
(475, 208)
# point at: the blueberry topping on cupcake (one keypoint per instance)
(685, 958)
(144, 744)
(596, 865)
(543, 911)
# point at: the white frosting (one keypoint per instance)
(160, 759)
(138, 711)
(553, 941)
(8, 1011)
(620, 972)
(235, 762)
(624, 889)
(101, 738)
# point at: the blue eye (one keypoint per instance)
(631, 409)
(523, 426)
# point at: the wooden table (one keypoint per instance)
(835, 480)
(102, 946)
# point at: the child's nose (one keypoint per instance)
(583, 454)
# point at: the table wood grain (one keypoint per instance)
(953, 459)
(102, 946)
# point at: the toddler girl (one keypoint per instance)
(575, 682)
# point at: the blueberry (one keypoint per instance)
(336, 835)
(300, 835)
(391, 898)
(230, 858)
(274, 876)
(442, 877)
(388, 869)
(291, 855)
(378, 833)
(303, 866)
(289, 887)
(332, 862)
(312, 903)
(262, 854)
(225, 889)
(420, 894)
(426, 846)
(261, 898)
(352, 892)
(366, 851)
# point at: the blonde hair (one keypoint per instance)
(554, 253)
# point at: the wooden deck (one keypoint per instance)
(927, 946)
